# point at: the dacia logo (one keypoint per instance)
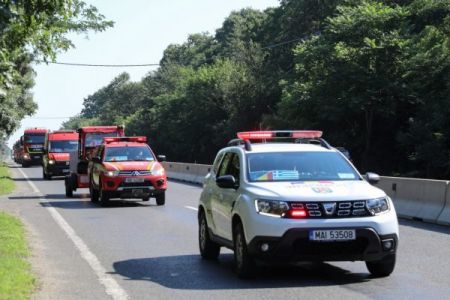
(329, 208)
(135, 173)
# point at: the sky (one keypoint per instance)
(142, 30)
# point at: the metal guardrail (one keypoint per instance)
(421, 199)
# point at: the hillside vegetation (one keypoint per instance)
(373, 75)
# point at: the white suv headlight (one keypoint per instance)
(377, 206)
(272, 208)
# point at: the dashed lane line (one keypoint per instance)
(112, 288)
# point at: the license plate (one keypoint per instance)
(332, 235)
(65, 170)
(134, 179)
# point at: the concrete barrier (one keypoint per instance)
(388, 185)
(416, 198)
(444, 217)
(424, 199)
(193, 173)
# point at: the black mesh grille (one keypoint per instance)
(342, 209)
(136, 184)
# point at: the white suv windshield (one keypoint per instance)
(299, 166)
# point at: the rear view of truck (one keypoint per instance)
(57, 148)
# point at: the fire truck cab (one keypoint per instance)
(33, 146)
(89, 138)
(57, 148)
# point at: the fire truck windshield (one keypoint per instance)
(63, 146)
(34, 138)
(96, 138)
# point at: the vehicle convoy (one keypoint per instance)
(126, 167)
(89, 137)
(57, 148)
(33, 146)
(301, 201)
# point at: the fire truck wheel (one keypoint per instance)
(94, 193)
(69, 190)
(45, 175)
(161, 198)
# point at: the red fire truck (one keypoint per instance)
(33, 146)
(89, 138)
(57, 148)
(17, 152)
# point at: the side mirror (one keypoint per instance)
(372, 178)
(226, 182)
(97, 159)
(162, 158)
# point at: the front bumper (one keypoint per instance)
(120, 188)
(295, 245)
(32, 158)
(58, 168)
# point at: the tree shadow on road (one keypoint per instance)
(87, 204)
(28, 179)
(190, 272)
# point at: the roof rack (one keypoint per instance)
(238, 142)
(299, 136)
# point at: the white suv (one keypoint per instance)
(301, 201)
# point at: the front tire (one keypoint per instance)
(94, 193)
(68, 185)
(383, 267)
(104, 197)
(209, 250)
(161, 198)
(244, 263)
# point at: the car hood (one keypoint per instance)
(131, 166)
(59, 156)
(316, 190)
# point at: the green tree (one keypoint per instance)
(34, 30)
(348, 79)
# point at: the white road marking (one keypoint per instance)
(112, 288)
(191, 207)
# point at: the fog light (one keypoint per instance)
(264, 247)
(388, 244)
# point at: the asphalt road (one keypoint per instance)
(138, 250)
